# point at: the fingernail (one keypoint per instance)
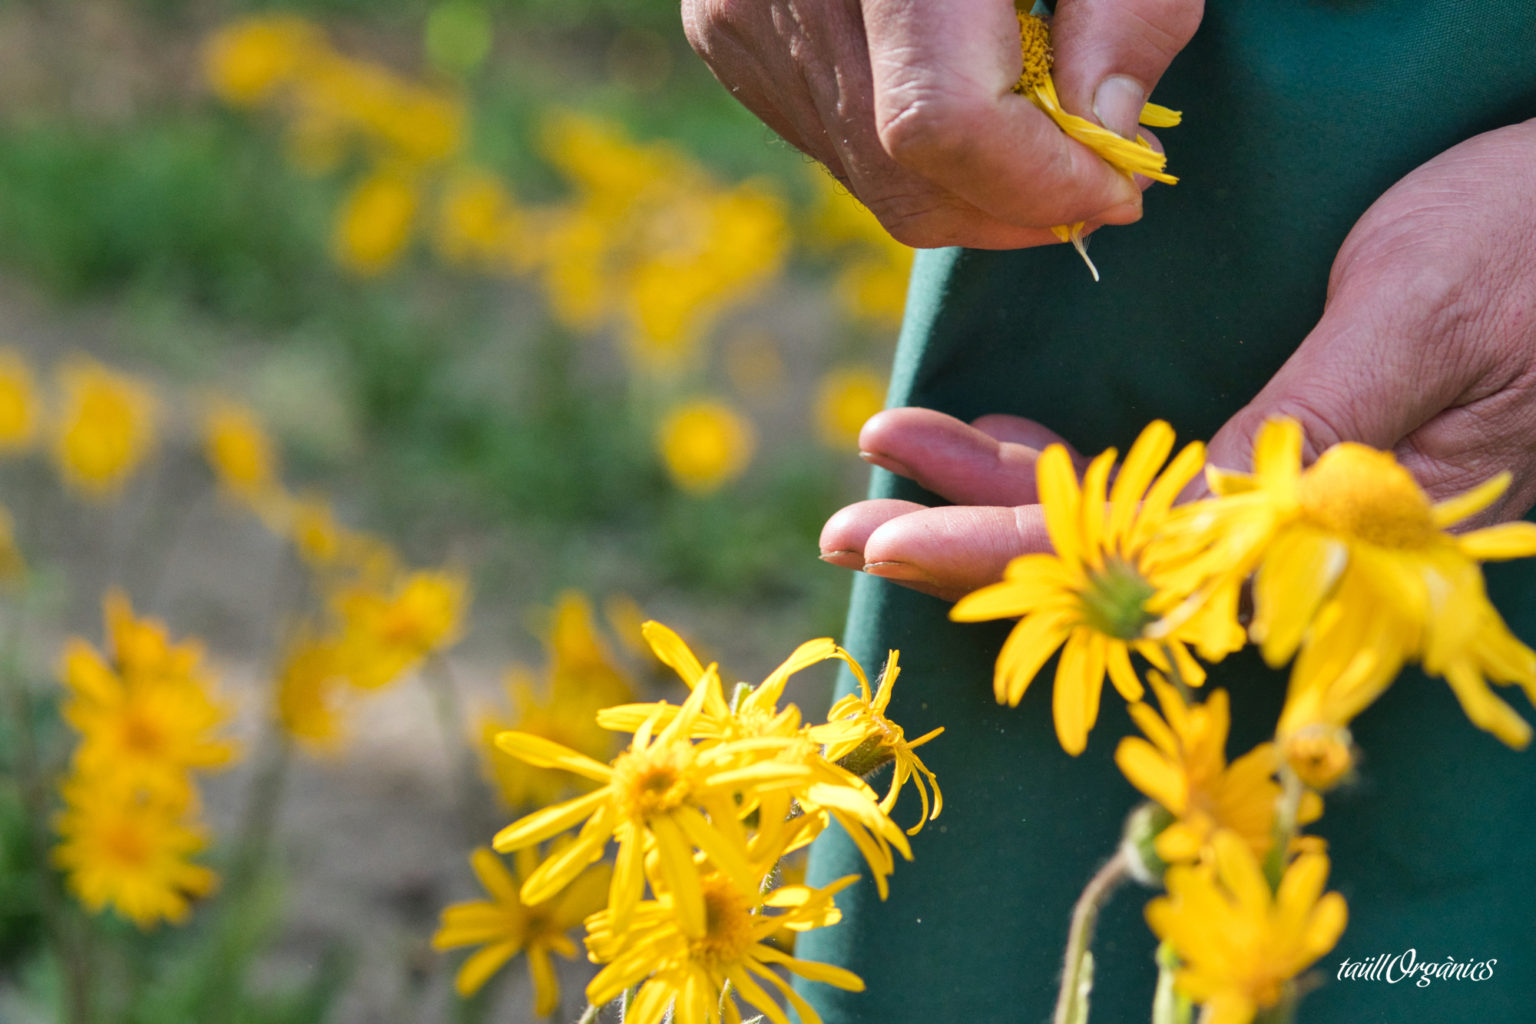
(1117, 103)
(886, 462)
(903, 571)
(844, 559)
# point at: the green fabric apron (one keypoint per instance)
(1298, 114)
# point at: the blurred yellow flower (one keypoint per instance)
(505, 926)
(1239, 944)
(1106, 589)
(18, 402)
(696, 978)
(247, 60)
(563, 714)
(130, 851)
(105, 428)
(311, 687)
(386, 634)
(145, 714)
(845, 399)
(12, 565)
(239, 450)
(1355, 533)
(375, 222)
(705, 445)
(1184, 768)
(872, 266)
(480, 225)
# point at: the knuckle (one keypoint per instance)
(929, 129)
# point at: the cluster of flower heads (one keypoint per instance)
(1352, 576)
(645, 244)
(702, 805)
(148, 723)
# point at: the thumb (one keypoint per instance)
(1110, 53)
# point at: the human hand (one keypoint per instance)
(1426, 347)
(911, 105)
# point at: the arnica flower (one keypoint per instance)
(558, 712)
(480, 225)
(1108, 590)
(705, 445)
(1335, 677)
(1354, 530)
(845, 398)
(18, 402)
(791, 815)
(105, 427)
(1239, 944)
(131, 851)
(239, 450)
(12, 565)
(579, 658)
(145, 716)
(251, 58)
(1184, 768)
(311, 690)
(386, 634)
(1129, 156)
(663, 794)
(375, 222)
(505, 926)
(857, 731)
(689, 972)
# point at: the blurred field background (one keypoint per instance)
(526, 308)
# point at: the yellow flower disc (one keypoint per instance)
(1363, 493)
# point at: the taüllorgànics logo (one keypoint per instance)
(1395, 968)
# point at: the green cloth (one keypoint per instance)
(1298, 114)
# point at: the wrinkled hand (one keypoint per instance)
(1426, 347)
(909, 104)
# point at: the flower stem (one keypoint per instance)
(1077, 975)
(589, 1015)
(1291, 791)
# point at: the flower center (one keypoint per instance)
(1114, 602)
(653, 782)
(1320, 755)
(125, 843)
(1359, 492)
(727, 925)
(1035, 42)
(142, 734)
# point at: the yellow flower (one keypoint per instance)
(1240, 945)
(12, 565)
(479, 224)
(18, 402)
(246, 61)
(845, 398)
(794, 813)
(310, 691)
(579, 659)
(705, 445)
(375, 222)
(239, 450)
(1184, 768)
(105, 429)
(506, 926)
(1130, 156)
(664, 794)
(857, 729)
(1354, 532)
(566, 715)
(147, 716)
(130, 850)
(1107, 590)
(676, 967)
(386, 634)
